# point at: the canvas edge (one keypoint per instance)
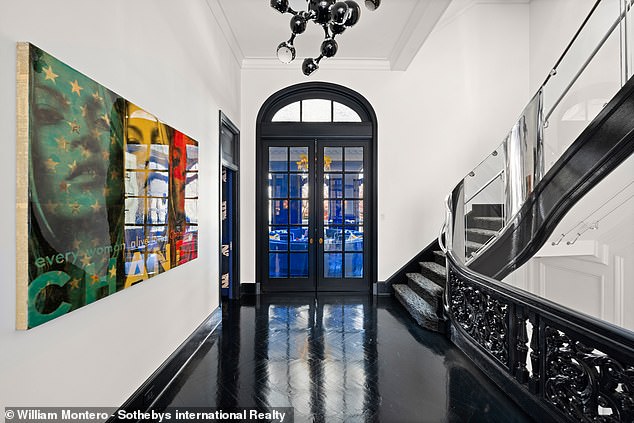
(22, 184)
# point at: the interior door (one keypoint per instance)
(316, 195)
(343, 198)
(288, 180)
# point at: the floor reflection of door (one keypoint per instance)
(317, 198)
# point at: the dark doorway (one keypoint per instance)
(316, 191)
(229, 218)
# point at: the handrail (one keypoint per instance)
(553, 72)
(490, 181)
(585, 64)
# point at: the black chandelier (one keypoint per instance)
(333, 16)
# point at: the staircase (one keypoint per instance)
(422, 296)
(483, 223)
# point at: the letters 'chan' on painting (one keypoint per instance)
(107, 193)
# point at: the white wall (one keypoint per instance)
(436, 121)
(170, 58)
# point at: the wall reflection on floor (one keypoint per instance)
(336, 358)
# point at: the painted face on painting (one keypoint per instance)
(75, 129)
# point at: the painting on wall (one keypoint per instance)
(107, 193)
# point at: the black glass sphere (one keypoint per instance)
(280, 5)
(286, 52)
(337, 29)
(329, 47)
(354, 13)
(298, 24)
(339, 12)
(309, 66)
(323, 11)
(372, 4)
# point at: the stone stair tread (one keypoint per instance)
(488, 218)
(434, 267)
(481, 231)
(418, 308)
(426, 284)
(473, 245)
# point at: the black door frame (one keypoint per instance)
(342, 131)
(225, 124)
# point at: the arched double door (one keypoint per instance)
(316, 191)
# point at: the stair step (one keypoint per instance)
(418, 308)
(493, 223)
(427, 289)
(481, 236)
(486, 210)
(434, 271)
(472, 247)
(439, 257)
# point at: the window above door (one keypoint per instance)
(316, 110)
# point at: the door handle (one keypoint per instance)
(321, 240)
(310, 240)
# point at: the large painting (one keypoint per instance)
(107, 193)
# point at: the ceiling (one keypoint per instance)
(387, 38)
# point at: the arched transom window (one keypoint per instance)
(316, 110)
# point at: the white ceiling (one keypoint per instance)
(387, 38)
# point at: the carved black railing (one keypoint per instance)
(556, 363)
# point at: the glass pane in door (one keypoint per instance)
(343, 250)
(289, 212)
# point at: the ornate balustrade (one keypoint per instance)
(559, 364)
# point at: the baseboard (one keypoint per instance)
(248, 288)
(144, 397)
(383, 288)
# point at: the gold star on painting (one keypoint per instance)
(74, 207)
(76, 88)
(64, 186)
(85, 153)
(105, 155)
(94, 279)
(84, 110)
(94, 242)
(51, 164)
(96, 207)
(114, 175)
(85, 261)
(73, 166)
(105, 118)
(74, 283)
(96, 96)
(74, 126)
(113, 272)
(96, 133)
(50, 75)
(113, 140)
(76, 244)
(50, 206)
(106, 191)
(62, 143)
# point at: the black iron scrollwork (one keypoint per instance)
(483, 317)
(586, 384)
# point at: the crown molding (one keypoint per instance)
(221, 18)
(330, 64)
(418, 27)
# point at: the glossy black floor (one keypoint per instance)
(332, 359)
